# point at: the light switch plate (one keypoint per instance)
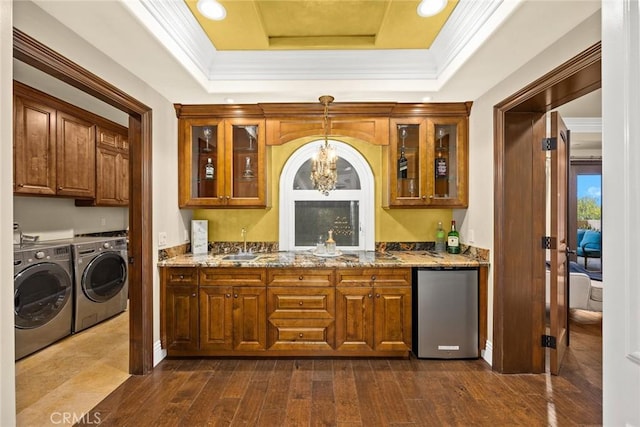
(162, 239)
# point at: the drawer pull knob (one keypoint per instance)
(373, 277)
(182, 276)
(300, 303)
(300, 278)
(300, 334)
(235, 295)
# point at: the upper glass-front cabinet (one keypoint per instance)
(222, 163)
(428, 162)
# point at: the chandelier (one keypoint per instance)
(323, 163)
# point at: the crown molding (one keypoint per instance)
(174, 26)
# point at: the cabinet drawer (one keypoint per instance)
(297, 334)
(232, 276)
(300, 277)
(181, 276)
(301, 302)
(374, 277)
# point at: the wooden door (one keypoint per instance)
(249, 318)
(181, 318)
(559, 282)
(75, 157)
(392, 318)
(216, 318)
(34, 147)
(354, 318)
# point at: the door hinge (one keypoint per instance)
(549, 144)
(548, 341)
(549, 242)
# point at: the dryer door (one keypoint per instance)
(104, 276)
(40, 293)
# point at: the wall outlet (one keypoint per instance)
(472, 235)
(185, 235)
(162, 239)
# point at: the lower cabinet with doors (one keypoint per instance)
(373, 310)
(209, 311)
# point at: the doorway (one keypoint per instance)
(519, 271)
(39, 56)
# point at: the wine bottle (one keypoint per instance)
(453, 239)
(209, 170)
(402, 164)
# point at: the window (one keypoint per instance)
(306, 214)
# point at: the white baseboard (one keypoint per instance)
(158, 353)
(487, 353)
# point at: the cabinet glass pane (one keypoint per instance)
(445, 167)
(204, 149)
(245, 161)
(408, 162)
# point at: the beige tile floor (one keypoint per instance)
(59, 384)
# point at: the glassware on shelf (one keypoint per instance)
(252, 131)
(248, 171)
(412, 187)
(207, 132)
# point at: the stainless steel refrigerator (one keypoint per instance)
(445, 313)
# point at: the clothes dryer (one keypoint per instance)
(100, 276)
(43, 286)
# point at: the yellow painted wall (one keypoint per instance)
(392, 225)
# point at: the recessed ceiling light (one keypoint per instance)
(212, 9)
(428, 8)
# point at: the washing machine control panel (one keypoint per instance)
(39, 255)
(106, 245)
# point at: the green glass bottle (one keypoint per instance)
(453, 239)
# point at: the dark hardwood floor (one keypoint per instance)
(362, 392)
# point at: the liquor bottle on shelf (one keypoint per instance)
(453, 239)
(441, 166)
(209, 170)
(403, 163)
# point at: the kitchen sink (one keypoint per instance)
(240, 257)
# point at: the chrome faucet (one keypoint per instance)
(244, 239)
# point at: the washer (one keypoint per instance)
(100, 279)
(43, 286)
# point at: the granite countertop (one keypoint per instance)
(306, 259)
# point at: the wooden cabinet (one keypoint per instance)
(428, 161)
(221, 163)
(180, 314)
(112, 168)
(300, 309)
(232, 309)
(62, 150)
(54, 151)
(373, 310)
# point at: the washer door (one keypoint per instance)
(40, 293)
(104, 277)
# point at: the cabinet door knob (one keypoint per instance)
(228, 295)
(431, 196)
(369, 295)
(424, 197)
(373, 277)
(300, 277)
(60, 188)
(227, 197)
(235, 295)
(377, 295)
(220, 197)
(193, 294)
